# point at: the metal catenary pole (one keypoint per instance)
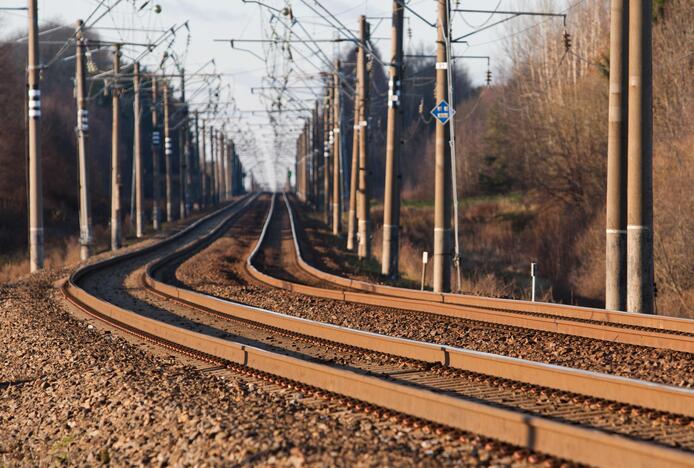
(308, 160)
(200, 144)
(301, 156)
(317, 155)
(297, 164)
(363, 215)
(196, 167)
(168, 152)
(82, 129)
(354, 176)
(305, 158)
(232, 169)
(452, 144)
(188, 167)
(115, 153)
(442, 180)
(615, 229)
(326, 151)
(298, 158)
(213, 169)
(337, 156)
(237, 188)
(215, 160)
(227, 167)
(34, 124)
(391, 201)
(182, 156)
(220, 165)
(137, 137)
(156, 158)
(640, 162)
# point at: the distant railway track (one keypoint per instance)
(409, 379)
(621, 327)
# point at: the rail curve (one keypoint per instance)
(636, 329)
(577, 443)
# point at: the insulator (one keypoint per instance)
(421, 106)
(567, 40)
(489, 77)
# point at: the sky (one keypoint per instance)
(265, 153)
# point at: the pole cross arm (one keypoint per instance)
(514, 14)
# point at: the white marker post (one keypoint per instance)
(425, 260)
(533, 272)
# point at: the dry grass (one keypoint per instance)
(58, 254)
(55, 258)
(493, 232)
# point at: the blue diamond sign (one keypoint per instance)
(442, 112)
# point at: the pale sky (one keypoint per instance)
(225, 19)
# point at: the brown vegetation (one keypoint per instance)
(59, 153)
(543, 134)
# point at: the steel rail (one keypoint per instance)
(621, 327)
(563, 440)
(593, 384)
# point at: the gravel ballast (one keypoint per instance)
(72, 391)
(219, 270)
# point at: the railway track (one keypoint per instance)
(673, 368)
(620, 327)
(566, 425)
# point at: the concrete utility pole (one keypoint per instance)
(185, 166)
(306, 155)
(213, 169)
(326, 151)
(168, 152)
(182, 163)
(220, 166)
(223, 164)
(316, 155)
(309, 160)
(238, 175)
(227, 168)
(234, 172)
(241, 176)
(215, 161)
(297, 164)
(115, 154)
(337, 153)
(391, 201)
(640, 161)
(363, 215)
(182, 189)
(442, 179)
(205, 164)
(137, 111)
(232, 162)
(156, 172)
(200, 145)
(34, 114)
(616, 232)
(82, 129)
(354, 175)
